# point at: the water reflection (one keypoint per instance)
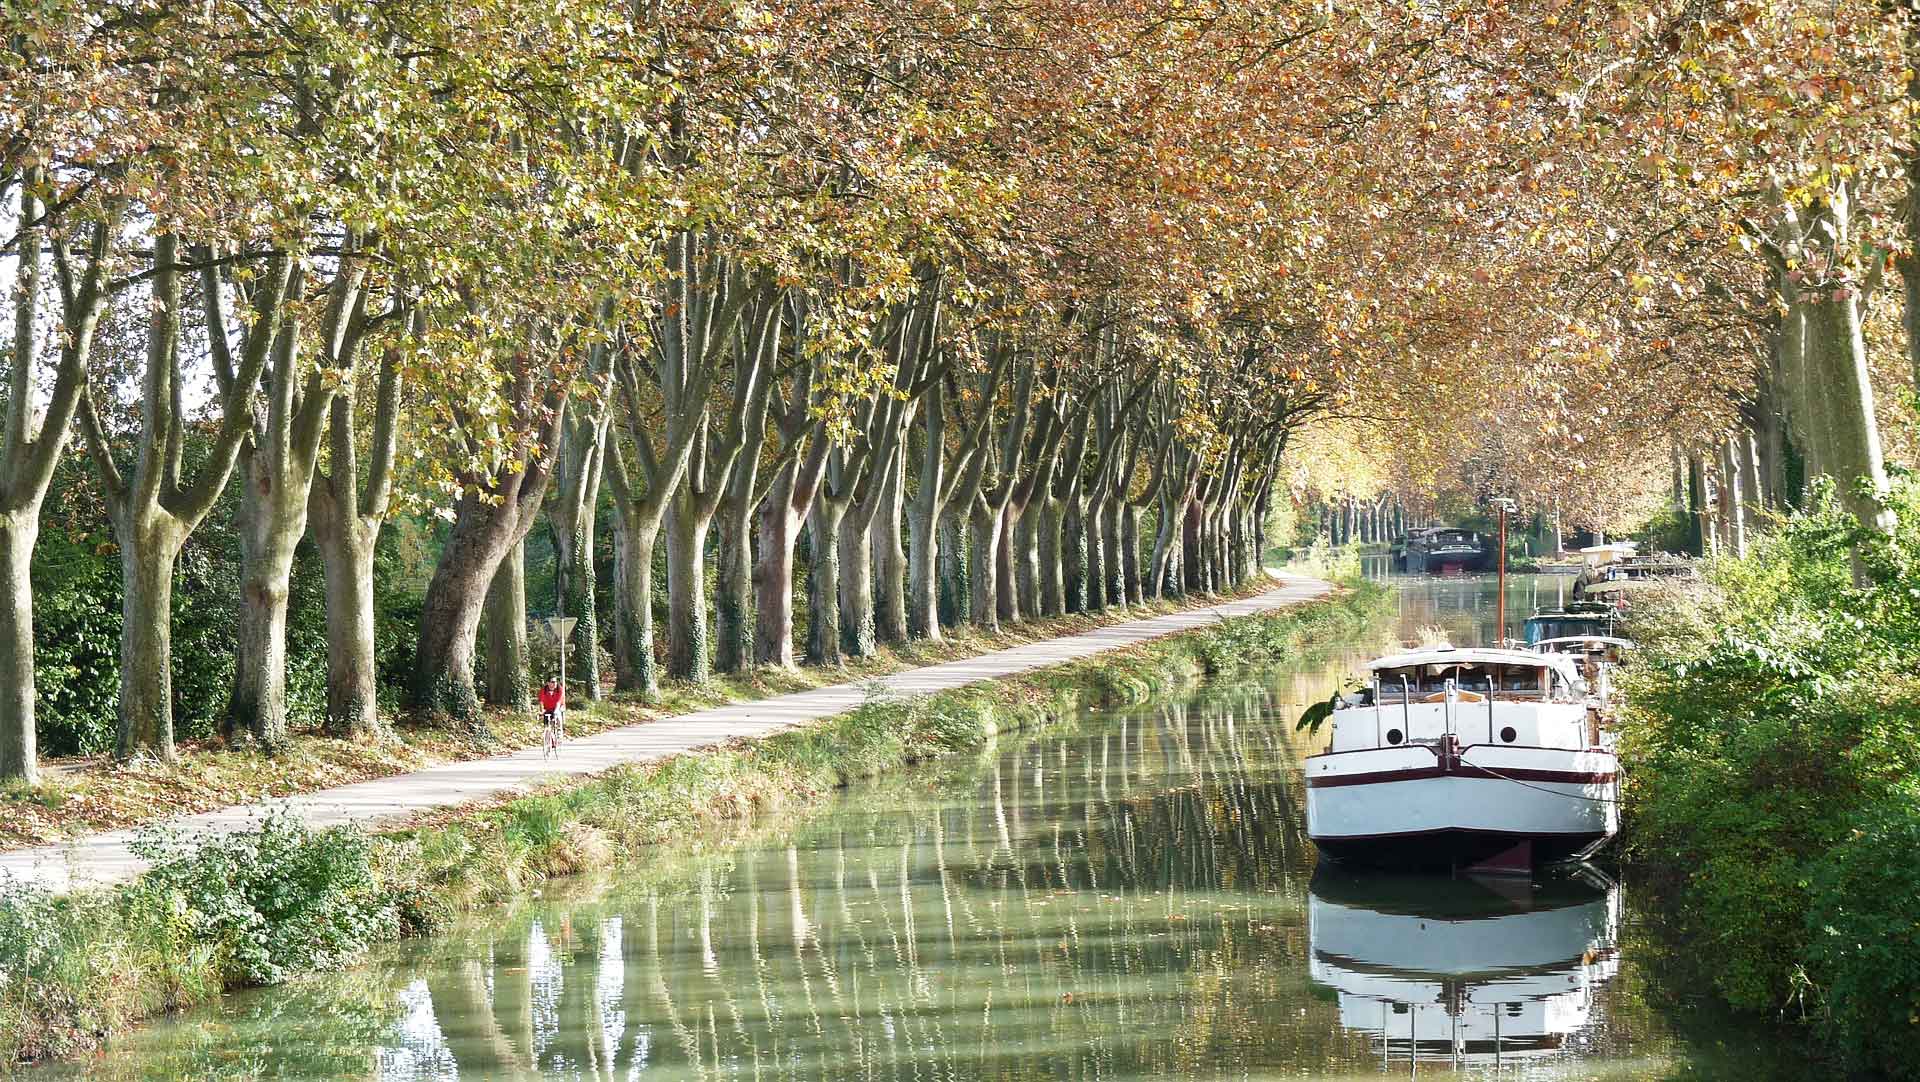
(1473, 973)
(1131, 897)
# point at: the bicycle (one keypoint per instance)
(555, 724)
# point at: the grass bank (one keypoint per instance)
(284, 901)
(1772, 744)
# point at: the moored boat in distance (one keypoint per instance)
(1465, 758)
(1443, 550)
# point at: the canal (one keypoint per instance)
(1129, 896)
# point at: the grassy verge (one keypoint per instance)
(1771, 744)
(83, 796)
(285, 900)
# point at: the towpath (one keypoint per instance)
(107, 857)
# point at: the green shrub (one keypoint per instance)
(274, 902)
(1773, 724)
(1863, 930)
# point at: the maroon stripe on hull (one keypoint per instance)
(1465, 770)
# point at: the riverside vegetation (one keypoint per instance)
(286, 900)
(1772, 744)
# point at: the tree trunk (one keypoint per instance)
(19, 754)
(1074, 596)
(926, 589)
(443, 680)
(779, 529)
(346, 556)
(1751, 491)
(574, 519)
(258, 707)
(890, 562)
(953, 568)
(1733, 482)
(823, 582)
(506, 617)
(1114, 584)
(1193, 549)
(688, 649)
(635, 668)
(856, 593)
(986, 558)
(1025, 554)
(1050, 526)
(1006, 590)
(1849, 445)
(272, 519)
(1093, 542)
(733, 586)
(1130, 554)
(148, 550)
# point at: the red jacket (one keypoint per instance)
(551, 697)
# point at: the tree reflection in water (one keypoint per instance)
(1128, 898)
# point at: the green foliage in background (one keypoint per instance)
(1772, 733)
(76, 613)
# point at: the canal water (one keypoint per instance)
(1131, 895)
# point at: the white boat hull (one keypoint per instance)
(1419, 805)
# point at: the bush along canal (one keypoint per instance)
(1773, 742)
(1122, 889)
(260, 908)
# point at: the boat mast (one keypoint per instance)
(1500, 606)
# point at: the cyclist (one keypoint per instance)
(553, 705)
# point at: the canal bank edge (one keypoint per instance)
(288, 900)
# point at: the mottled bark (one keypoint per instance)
(635, 666)
(490, 518)
(19, 754)
(35, 436)
(149, 547)
(443, 680)
(1112, 559)
(926, 604)
(953, 567)
(1849, 445)
(508, 685)
(733, 614)
(689, 650)
(890, 563)
(1073, 556)
(1130, 555)
(984, 590)
(823, 583)
(154, 510)
(855, 571)
(1093, 544)
(778, 532)
(1006, 588)
(346, 557)
(346, 514)
(277, 466)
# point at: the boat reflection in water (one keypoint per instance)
(1472, 973)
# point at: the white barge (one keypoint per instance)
(1492, 759)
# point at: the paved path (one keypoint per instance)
(104, 857)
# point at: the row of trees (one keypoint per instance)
(837, 271)
(1003, 309)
